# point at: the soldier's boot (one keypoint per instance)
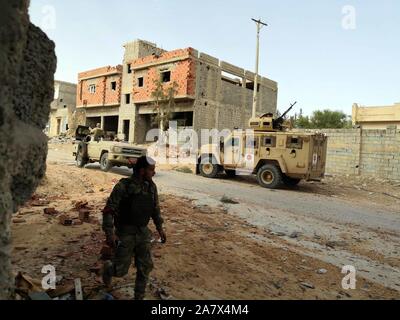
(140, 286)
(107, 273)
(139, 295)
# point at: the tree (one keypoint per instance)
(326, 119)
(163, 102)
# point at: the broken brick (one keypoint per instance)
(65, 220)
(50, 211)
(17, 220)
(84, 215)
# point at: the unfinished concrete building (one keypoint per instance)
(62, 109)
(210, 93)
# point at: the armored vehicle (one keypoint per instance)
(277, 156)
(108, 153)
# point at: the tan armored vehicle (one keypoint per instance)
(276, 155)
(108, 153)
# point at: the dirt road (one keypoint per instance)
(288, 243)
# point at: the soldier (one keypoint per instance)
(97, 132)
(131, 204)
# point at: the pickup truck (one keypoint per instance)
(107, 153)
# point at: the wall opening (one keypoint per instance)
(93, 121)
(111, 125)
(126, 128)
(140, 82)
(250, 86)
(129, 67)
(128, 98)
(184, 119)
(231, 78)
(166, 76)
(113, 85)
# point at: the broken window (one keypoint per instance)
(294, 143)
(269, 142)
(140, 82)
(113, 85)
(128, 98)
(129, 68)
(92, 88)
(166, 76)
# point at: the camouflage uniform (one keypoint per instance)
(131, 205)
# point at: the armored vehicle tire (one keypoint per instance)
(81, 161)
(291, 182)
(230, 173)
(105, 164)
(270, 176)
(208, 169)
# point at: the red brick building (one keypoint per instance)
(210, 93)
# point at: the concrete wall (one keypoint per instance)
(27, 66)
(223, 100)
(374, 153)
(63, 108)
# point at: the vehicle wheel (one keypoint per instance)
(230, 173)
(270, 176)
(80, 159)
(208, 169)
(291, 182)
(105, 164)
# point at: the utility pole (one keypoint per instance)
(260, 24)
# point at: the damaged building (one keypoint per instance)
(210, 93)
(62, 109)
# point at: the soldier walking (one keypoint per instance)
(125, 219)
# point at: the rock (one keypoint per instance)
(322, 271)
(228, 200)
(20, 248)
(90, 191)
(295, 234)
(18, 220)
(307, 285)
(66, 220)
(50, 211)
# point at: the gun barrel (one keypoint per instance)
(288, 110)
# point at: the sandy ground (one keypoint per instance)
(249, 250)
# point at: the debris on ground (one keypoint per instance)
(50, 211)
(66, 220)
(228, 200)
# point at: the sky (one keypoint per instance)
(325, 54)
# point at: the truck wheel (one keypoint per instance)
(270, 176)
(105, 164)
(230, 173)
(208, 169)
(291, 182)
(80, 159)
